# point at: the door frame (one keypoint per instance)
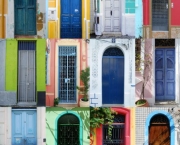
(35, 97)
(177, 82)
(67, 42)
(127, 138)
(124, 75)
(169, 17)
(122, 11)
(171, 125)
(80, 125)
(10, 125)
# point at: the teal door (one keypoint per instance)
(25, 17)
(24, 127)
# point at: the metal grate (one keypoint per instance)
(164, 42)
(160, 15)
(113, 52)
(117, 137)
(158, 119)
(67, 74)
(26, 71)
(68, 130)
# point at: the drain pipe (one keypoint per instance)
(2, 19)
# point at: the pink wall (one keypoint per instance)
(175, 11)
(146, 12)
(149, 86)
(50, 89)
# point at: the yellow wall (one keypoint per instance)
(54, 26)
(132, 129)
(3, 10)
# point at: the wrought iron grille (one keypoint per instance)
(67, 74)
(164, 42)
(160, 15)
(117, 137)
(68, 130)
(159, 119)
(113, 52)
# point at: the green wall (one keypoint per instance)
(11, 65)
(130, 6)
(40, 64)
(52, 114)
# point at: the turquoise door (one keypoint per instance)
(24, 127)
(25, 17)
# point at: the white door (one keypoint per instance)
(112, 16)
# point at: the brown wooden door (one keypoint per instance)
(159, 134)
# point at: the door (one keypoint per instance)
(24, 127)
(159, 131)
(68, 130)
(25, 17)
(113, 76)
(165, 74)
(118, 131)
(71, 19)
(160, 19)
(67, 74)
(26, 71)
(112, 16)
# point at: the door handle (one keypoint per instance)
(166, 5)
(111, 13)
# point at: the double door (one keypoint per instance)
(112, 16)
(71, 19)
(67, 74)
(26, 72)
(165, 74)
(24, 127)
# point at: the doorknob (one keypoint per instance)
(166, 5)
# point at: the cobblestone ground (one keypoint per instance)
(111, 36)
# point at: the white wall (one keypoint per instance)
(97, 48)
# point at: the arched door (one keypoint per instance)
(159, 130)
(68, 130)
(118, 131)
(113, 76)
(71, 26)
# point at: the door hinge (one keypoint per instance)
(111, 13)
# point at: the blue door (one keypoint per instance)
(165, 74)
(113, 76)
(71, 19)
(24, 127)
(25, 17)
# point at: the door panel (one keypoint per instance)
(159, 135)
(67, 74)
(71, 19)
(24, 127)
(25, 17)
(160, 18)
(165, 75)
(26, 72)
(112, 16)
(113, 79)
